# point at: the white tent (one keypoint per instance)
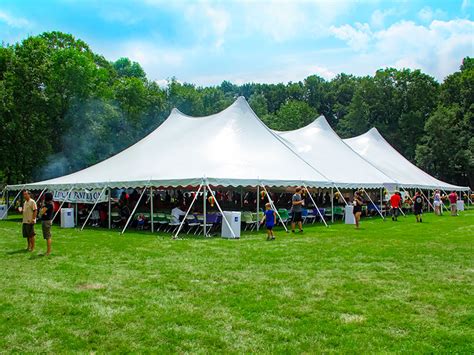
(230, 148)
(373, 147)
(324, 149)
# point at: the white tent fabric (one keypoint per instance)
(373, 147)
(318, 144)
(230, 148)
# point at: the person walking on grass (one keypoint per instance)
(437, 203)
(358, 202)
(269, 217)
(453, 200)
(395, 201)
(46, 214)
(30, 212)
(418, 207)
(297, 207)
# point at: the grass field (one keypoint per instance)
(390, 287)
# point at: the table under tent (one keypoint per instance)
(234, 152)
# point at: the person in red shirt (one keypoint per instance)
(395, 202)
(453, 199)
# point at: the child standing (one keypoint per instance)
(269, 217)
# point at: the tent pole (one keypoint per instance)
(241, 197)
(442, 203)
(134, 209)
(151, 209)
(40, 195)
(274, 208)
(340, 193)
(110, 209)
(368, 196)
(427, 200)
(93, 207)
(315, 205)
(407, 194)
(258, 206)
(332, 204)
(187, 212)
(3, 193)
(8, 199)
(14, 200)
(61, 206)
(204, 210)
(381, 199)
(222, 212)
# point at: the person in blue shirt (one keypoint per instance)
(269, 217)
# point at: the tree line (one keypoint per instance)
(64, 107)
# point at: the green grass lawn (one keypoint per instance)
(390, 287)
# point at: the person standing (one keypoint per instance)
(453, 200)
(46, 213)
(30, 212)
(395, 201)
(437, 203)
(269, 217)
(418, 206)
(297, 207)
(358, 202)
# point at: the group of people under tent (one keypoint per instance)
(178, 202)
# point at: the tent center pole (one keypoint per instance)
(204, 210)
(151, 210)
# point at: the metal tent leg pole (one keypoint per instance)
(381, 199)
(151, 210)
(220, 209)
(258, 206)
(340, 193)
(315, 205)
(380, 212)
(61, 206)
(93, 207)
(274, 208)
(110, 208)
(332, 204)
(134, 209)
(41, 194)
(204, 210)
(14, 200)
(187, 212)
(427, 200)
(442, 203)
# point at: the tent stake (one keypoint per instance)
(93, 207)
(274, 208)
(62, 203)
(220, 209)
(134, 209)
(187, 212)
(315, 205)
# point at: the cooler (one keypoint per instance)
(3, 212)
(349, 215)
(459, 203)
(67, 218)
(234, 219)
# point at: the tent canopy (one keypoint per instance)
(230, 148)
(324, 149)
(373, 147)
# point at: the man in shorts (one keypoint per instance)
(47, 220)
(453, 200)
(29, 211)
(297, 215)
(418, 206)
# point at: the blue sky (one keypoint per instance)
(206, 42)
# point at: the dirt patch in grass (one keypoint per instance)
(90, 286)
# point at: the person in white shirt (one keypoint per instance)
(175, 214)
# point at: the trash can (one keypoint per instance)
(349, 215)
(459, 203)
(3, 212)
(67, 218)
(234, 219)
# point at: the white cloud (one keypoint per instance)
(13, 21)
(427, 14)
(377, 19)
(437, 48)
(357, 36)
(466, 4)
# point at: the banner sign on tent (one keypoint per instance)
(80, 196)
